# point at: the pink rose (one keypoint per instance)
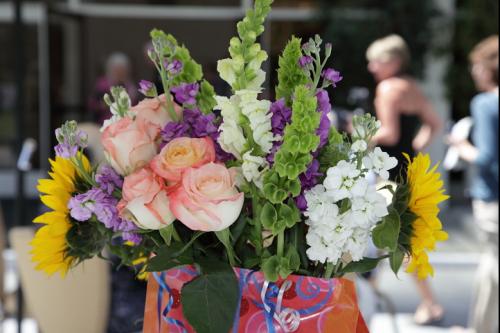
(129, 145)
(207, 198)
(154, 110)
(181, 154)
(145, 200)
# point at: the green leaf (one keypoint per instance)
(396, 260)
(385, 234)
(167, 233)
(210, 300)
(271, 268)
(238, 227)
(362, 266)
(168, 257)
(224, 237)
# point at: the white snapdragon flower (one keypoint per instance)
(229, 108)
(340, 180)
(359, 146)
(253, 168)
(380, 162)
(227, 69)
(257, 112)
(231, 138)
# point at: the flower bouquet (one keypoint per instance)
(244, 213)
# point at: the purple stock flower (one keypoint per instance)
(325, 108)
(281, 116)
(332, 76)
(305, 60)
(201, 125)
(173, 67)
(173, 130)
(324, 105)
(132, 237)
(323, 130)
(128, 229)
(274, 149)
(66, 150)
(186, 93)
(147, 88)
(108, 179)
(94, 201)
(69, 139)
(79, 208)
(104, 207)
(301, 202)
(308, 180)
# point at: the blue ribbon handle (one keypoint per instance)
(162, 314)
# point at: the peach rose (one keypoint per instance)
(181, 154)
(129, 145)
(207, 198)
(154, 110)
(145, 200)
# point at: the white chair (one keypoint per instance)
(79, 303)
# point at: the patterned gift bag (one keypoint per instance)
(298, 304)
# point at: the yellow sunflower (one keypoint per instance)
(426, 192)
(49, 244)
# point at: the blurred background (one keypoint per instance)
(56, 56)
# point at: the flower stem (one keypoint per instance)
(256, 221)
(281, 244)
(329, 270)
(225, 238)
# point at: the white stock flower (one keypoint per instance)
(380, 162)
(326, 241)
(359, 146)
(357, 244)
(114, 118)
(253, 168)
(368, 209)
(340, 179)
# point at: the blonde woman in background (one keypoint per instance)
(408, 125)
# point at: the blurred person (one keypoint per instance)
(117, 73)
(483, 155)
(408, 125)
